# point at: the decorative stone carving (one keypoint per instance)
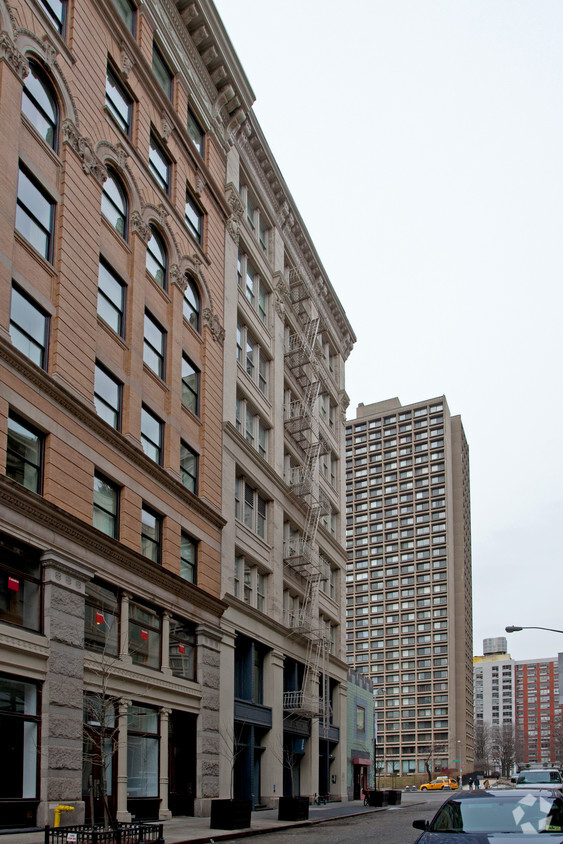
(162, 215)
(233, 229)
(15, 59)
(126, 59)
(91, 164)
(141, 228)
(121, 158)
(178, 277)
(49, 51)
(214, 324)
(200, 182)
(166, 126)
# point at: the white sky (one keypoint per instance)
(423, 143)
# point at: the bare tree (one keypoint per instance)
(503, 747)
(430, 752)
(482, 746)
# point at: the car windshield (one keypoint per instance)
(527, 777)
(528, 814)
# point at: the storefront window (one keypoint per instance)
(19, 724)
(144, 636)
(20, 584)
(182, 645)
(142, 752)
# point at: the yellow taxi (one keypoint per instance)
(438, 784)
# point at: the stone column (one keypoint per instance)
(164, 813)
(209, 669)
(165, 658)
(124, 628)
(272, 758)
(122, 814)
(310, 762)
(62, 698)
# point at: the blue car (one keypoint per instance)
(495, 817)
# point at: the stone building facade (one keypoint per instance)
(136, 189)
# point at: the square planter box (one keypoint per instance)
(230, 814)
(378, 798)
(293, 809)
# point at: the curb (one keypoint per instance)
(244, 833)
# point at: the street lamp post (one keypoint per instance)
(375, 693)
(459, 759)
(513, 628)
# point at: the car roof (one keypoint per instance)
(515, 793)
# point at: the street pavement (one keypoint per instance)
(197, 831)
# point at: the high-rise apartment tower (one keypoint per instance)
(409, 601)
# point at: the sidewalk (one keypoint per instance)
(197, 831)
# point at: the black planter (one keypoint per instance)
(230, 814)
(394, 797)
(378, 798)
(293, 809)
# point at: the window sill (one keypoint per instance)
(47, 265)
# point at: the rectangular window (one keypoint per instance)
(194, 218)
(188, 467)
(162, 72)
(111, 298)
(154, 347)
(128, 12)
(151, 435)
(106, 505)
(360, 719)
(190, 385)
(196, 133)
(151, 534)
(159, 164)
(251, 355)
(253, 286)
(142, 751)
(188, 558)
(29, 327)
(107, 396)
(101, 619)
(24, 453)
(56, 10)
(20, 584)
(144, 635)
(35, 213)
(250, 584)
(182, 649)
(251, 509)
(19, 725)
(118, 101)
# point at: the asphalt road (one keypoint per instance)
(391, 826)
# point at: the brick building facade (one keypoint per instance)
(131, 163)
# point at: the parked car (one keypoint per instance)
(439, 783)
(486, 817)
(539, 778)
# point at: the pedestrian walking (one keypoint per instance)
(486, 784)
(470, 784)
(476, 783)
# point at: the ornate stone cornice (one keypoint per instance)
(10, 54)
(91, 164)
(213, 322)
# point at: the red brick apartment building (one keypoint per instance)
(148, 240)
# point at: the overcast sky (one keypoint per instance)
(423, 143)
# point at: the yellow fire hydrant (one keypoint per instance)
(58, 810)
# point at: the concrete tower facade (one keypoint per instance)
(409, 600)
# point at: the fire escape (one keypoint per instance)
(300, 552)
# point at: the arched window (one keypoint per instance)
(39, 104)
(192, 304)
(114, 203)
(157, 258)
